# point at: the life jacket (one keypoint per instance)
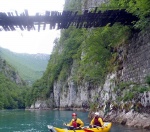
(96, 122)
(74, 123)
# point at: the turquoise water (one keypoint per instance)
(34, 120)
(37, 120)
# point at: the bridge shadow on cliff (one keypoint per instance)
(54, 19)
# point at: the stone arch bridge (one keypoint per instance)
(11, 21)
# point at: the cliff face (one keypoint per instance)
(74, 96)
(69, 94)
(135, 63)
(135, 59)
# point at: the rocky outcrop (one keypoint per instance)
(131, 118)
(40, 105)
(43, 104)
(90, 4)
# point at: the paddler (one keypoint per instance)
(96, 121)
(75, 123)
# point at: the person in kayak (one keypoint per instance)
(96, 121)
(75, 123)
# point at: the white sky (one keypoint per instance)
(31, 42)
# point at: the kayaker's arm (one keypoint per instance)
(79, 121)
(92, 122)
(69, 124)
(101, 121)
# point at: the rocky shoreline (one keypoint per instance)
(131, 118)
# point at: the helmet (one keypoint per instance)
(96, 113)
(74, 114)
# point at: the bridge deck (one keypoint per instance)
(54, 19)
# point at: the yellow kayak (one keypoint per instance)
(105, 128)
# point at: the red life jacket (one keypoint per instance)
(74, 123)
(96, 122)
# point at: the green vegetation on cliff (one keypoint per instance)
(12, 88)
(12, 96)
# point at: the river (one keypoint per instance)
(37, 121)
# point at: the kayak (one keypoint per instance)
(105, 128)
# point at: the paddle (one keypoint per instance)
(87, 130)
